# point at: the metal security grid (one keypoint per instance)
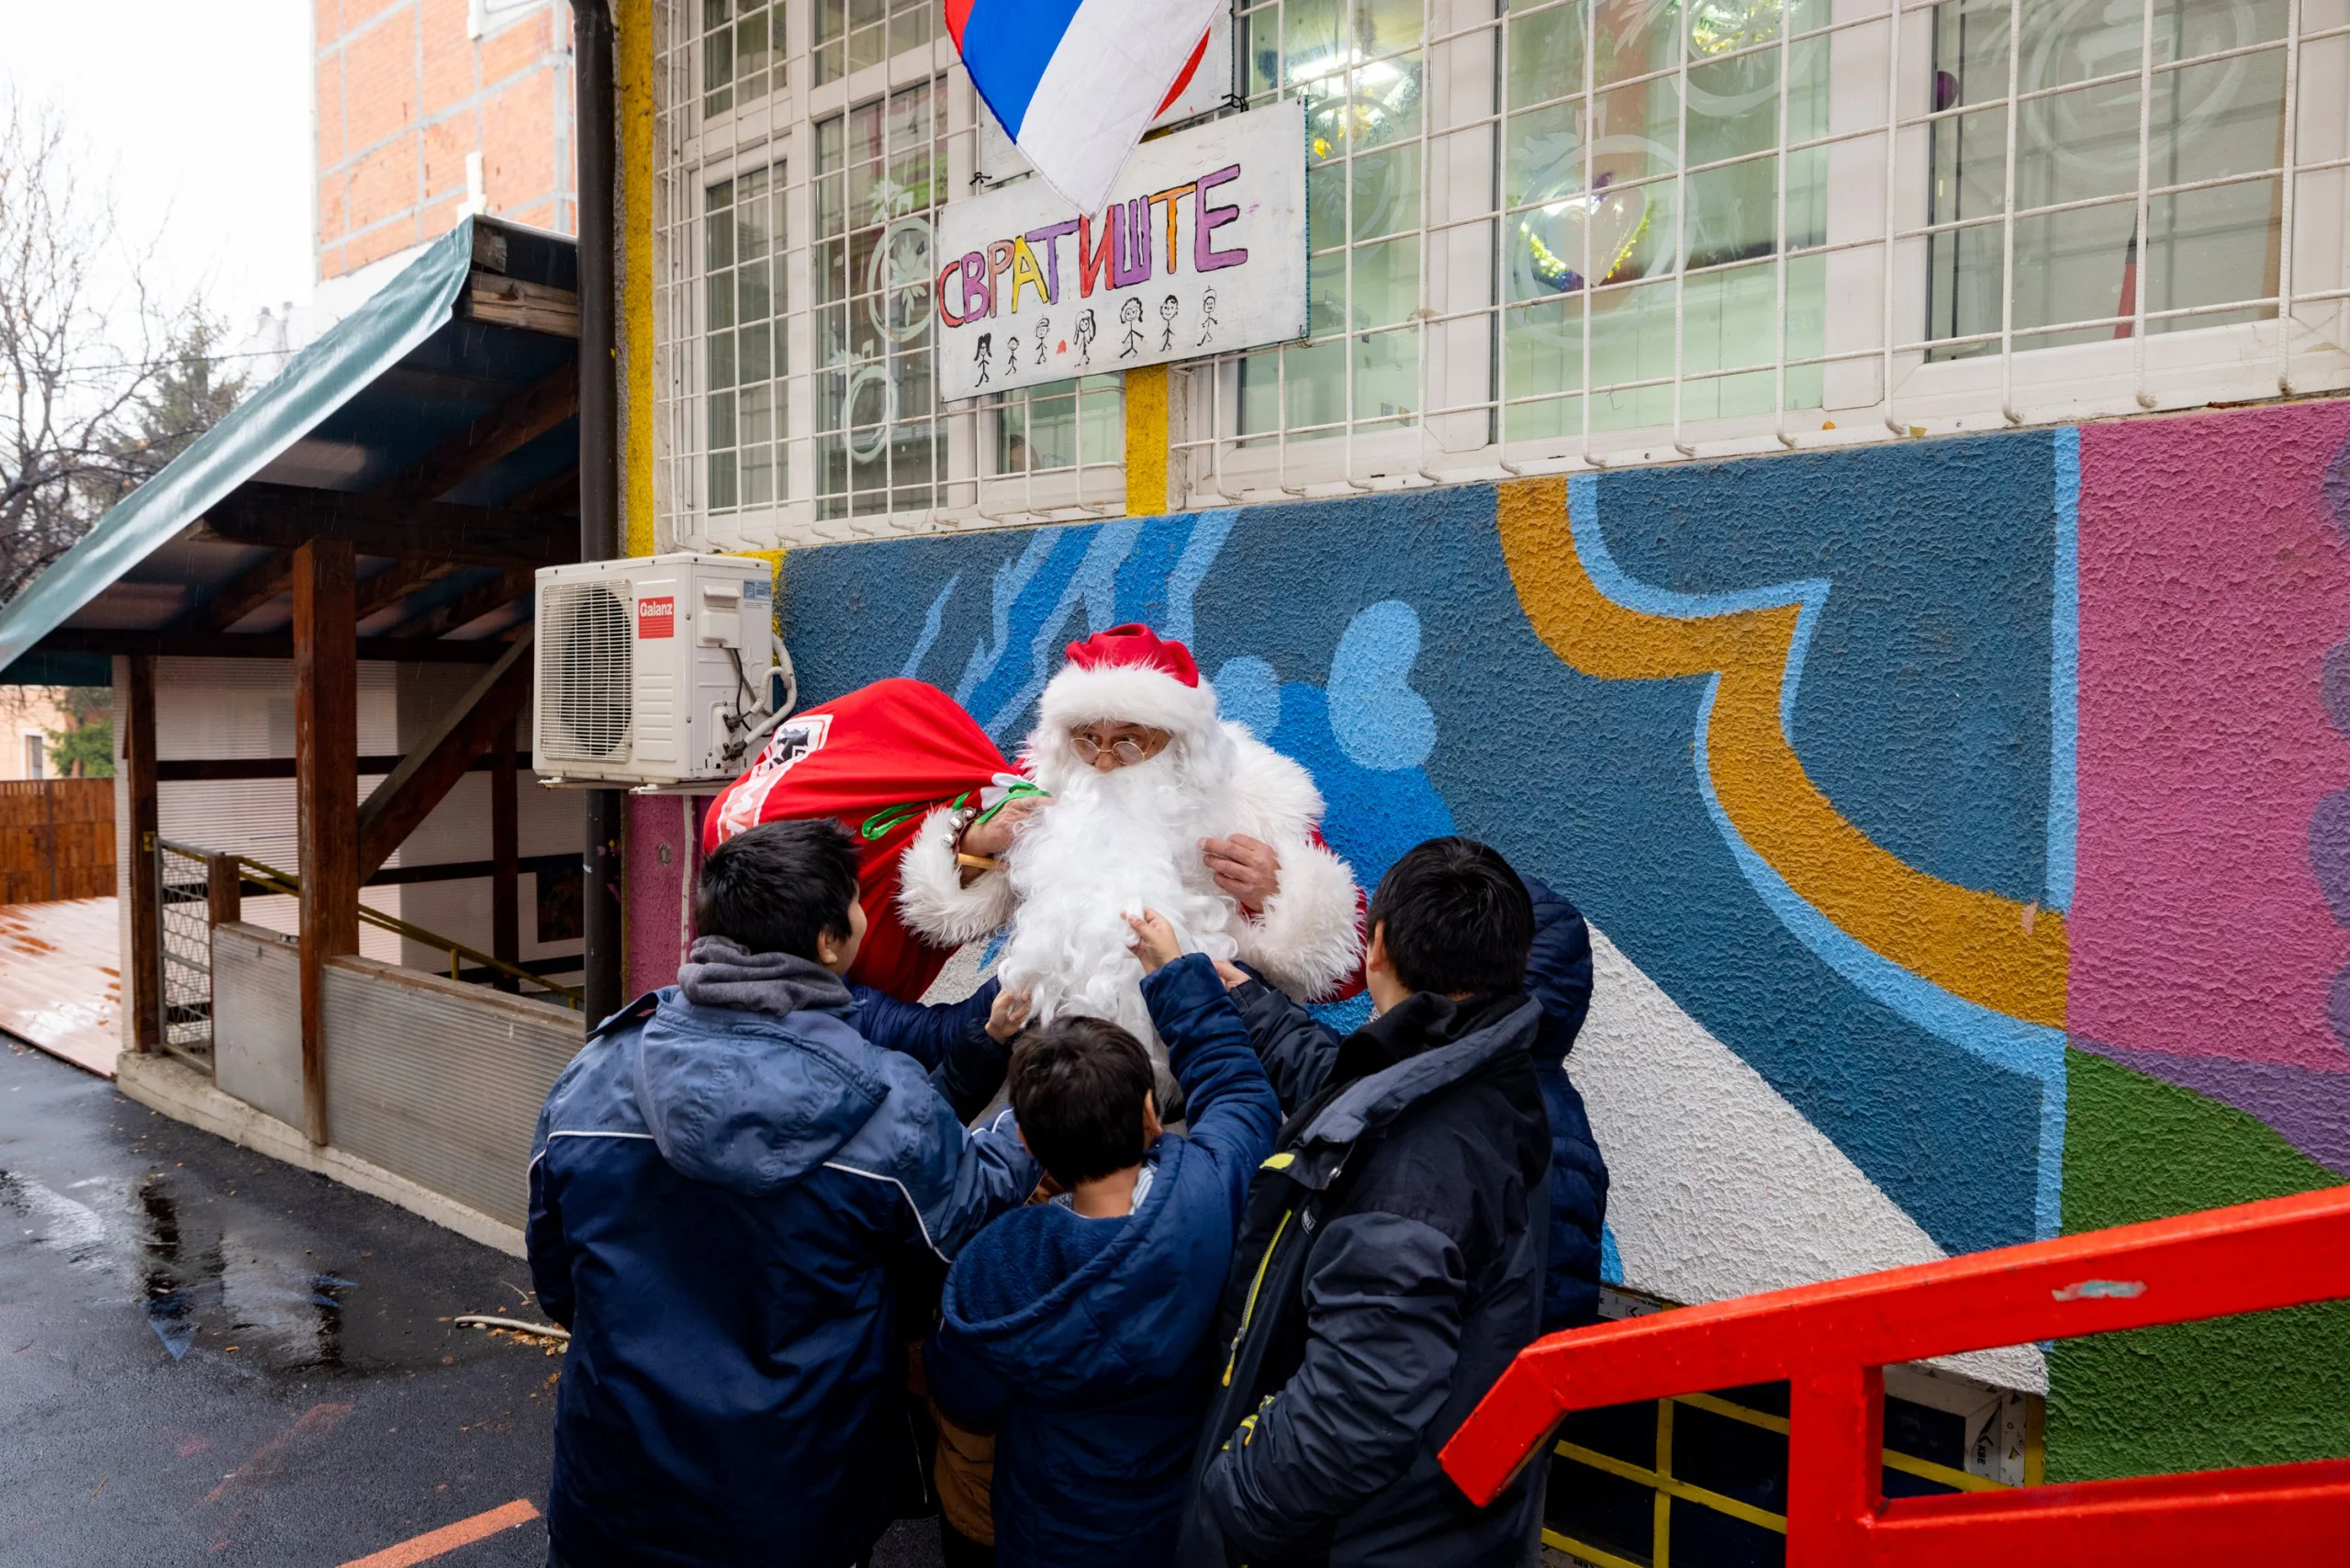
(183, 919)
(1696, 1452)
(1571, 235)
(794, 297)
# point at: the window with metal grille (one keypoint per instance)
(741, 52)
(745, 350)
(1546, 235)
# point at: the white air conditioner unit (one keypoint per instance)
(655, 673)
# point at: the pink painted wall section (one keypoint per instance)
(2214, 581)
(663, 848)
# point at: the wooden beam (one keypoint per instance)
(556, 494)
(146, 895)
(533, 307)
(195, 770)
(483, 719)
(505, 851)
(262, 645)
(243, 594)
(396, 582)
(498, 434)
(287, 516)
(326, 792)
(224, 890)
(469, 606)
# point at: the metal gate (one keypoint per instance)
(185, 940)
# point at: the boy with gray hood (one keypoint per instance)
(720, 1184)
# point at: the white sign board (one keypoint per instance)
(1201, 251)
(1209, 89)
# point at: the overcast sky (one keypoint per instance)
(199, 116)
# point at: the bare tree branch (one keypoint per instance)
(98, 386)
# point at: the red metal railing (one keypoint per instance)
(1830, 1341)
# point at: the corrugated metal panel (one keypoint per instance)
(439, 1082)
(257, 1020)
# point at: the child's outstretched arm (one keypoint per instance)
(1233, 1111)
(1297, 1048)
(923, 1030)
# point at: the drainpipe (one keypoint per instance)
(598, 461)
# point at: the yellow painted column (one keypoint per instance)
(632, 74)
(1146, 395)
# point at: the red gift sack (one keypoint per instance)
(876, 761)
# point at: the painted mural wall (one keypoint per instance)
(1964, 825)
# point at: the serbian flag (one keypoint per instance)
(876, 761)
(1075, 82)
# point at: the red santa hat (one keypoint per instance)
(1129, 673)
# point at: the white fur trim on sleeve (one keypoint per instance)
(1307, 941)
(931, 895)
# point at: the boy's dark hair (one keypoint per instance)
(777, 887)
(1077, 1089)
(1459, 920)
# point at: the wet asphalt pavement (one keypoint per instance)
(207, 1357)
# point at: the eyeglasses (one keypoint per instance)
(1126, 749)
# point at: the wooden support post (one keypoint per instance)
(505, 854)
(326, 787)
(146, 897)
(224, 890)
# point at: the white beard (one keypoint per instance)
(1107, 846)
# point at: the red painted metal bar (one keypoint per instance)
(1828, 1341)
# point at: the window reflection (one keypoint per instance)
(881, 172)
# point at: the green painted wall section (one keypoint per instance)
(2264, 1389)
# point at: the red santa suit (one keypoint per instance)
(1112, 843)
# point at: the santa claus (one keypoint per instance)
(1153, 801)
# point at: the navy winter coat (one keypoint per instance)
(1389, 1269)
(1299, 1052)
(1083, 1343)
(717, 1196)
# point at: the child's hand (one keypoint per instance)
(1233, 976)
(1154, 942)
(1008, 1013)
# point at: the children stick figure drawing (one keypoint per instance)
(987, 340)
(1207, 318)
(1044, 334)
(1085, 338)
(1130, 316)
(1167, 308)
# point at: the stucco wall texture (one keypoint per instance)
(1964, 825)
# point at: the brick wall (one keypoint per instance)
(405, 96)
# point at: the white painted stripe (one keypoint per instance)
(1718, 1186)
(1102, 87)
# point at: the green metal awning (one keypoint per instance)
(423, 360)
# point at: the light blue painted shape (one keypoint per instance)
(1094, 584)
(2028, 1048)
(1209, 530)
(1011, 579)
(1378, 721)
(1249, 692)
(930, 624)
(1611, 1261)
(1583, 505)
(2064, 676)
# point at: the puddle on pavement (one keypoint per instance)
(205, 1270)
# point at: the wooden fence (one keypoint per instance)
(56, 839)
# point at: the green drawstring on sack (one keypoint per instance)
(888, 820)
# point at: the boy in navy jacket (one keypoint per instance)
(720, 1185)
(1077, 1331)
